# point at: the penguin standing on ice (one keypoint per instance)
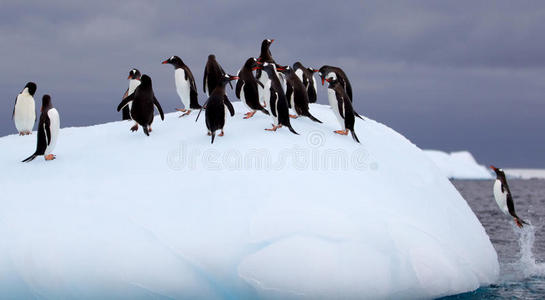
(134, 81)
(143, 102)
(48, 131)
(215, 107)
(338, 74)
(503, 197)
(265, 56)
(185, 85)
(297, 95)
(213, 75)
(275, 98)
(342, 107)
(306, 75)
(24, 111)
(247, 88)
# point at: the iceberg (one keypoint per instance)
(256, 215)
(458, 165)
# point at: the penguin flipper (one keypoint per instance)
(13, 115)
(289, 93)
(274, 98)
(125, 101)
(204, 81)
(229, 105)
(193, 100)
(238, 88)
(47, 129)
(159, 108)
(340, 104)
(260, 83)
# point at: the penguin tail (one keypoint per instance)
(265, 111)
(30, 158)
(291, 129)
(146, 130)
(357, 115)
(354, 136)
(213, 136)
(310, 116)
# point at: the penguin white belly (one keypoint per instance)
(299, 74)
(501, 197)
(182, 87)
(333, 102)
(133, 84)
(25, 112)
(331, 75)
(54, 127)
(263, 91)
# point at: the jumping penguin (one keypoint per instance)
(185, 85)
(48, 131)
(247, 88)
(338, 74)
(215, 107)
(143, 102)
(503, 197)
(134, 81)
(24, 111)
(342, 107)
(275, 98)
(297, 95)
(306, 75)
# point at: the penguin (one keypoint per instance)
(297, 95)
(143, 102)
(134, 81)
(24, 111)
(503, 196)
(306, 75)
(247, 88)
(342, 107)
(213, 75)
(215, 107)
(275, 98)
(265, 56)
(48, 131)
(338, 74)
(185, 85)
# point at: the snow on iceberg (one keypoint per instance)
(458, 165)
(255, 215)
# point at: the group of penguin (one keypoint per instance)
(273, 90)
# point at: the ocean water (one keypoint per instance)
(521, 252)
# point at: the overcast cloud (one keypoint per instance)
(450, 75)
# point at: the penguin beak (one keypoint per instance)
(165, 62)
(493, 168)
(323, 81)
(272, 41)
(255, 68)
(233, 78)
(259, 62)
(280, 68)
(129, 77)
(315, 71)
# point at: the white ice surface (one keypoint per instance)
(459, 165)
(122, 215)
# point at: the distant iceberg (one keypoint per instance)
(458, 165)
(256, 215)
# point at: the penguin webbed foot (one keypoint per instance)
(187, 112)
(249, 115)
(274, 128)
(294, 116)
(222, 133)
(50, 157)
(134, 128)
(341, 132)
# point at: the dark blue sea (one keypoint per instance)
(521, 252)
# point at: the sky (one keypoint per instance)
(449, 75)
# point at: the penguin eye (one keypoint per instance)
(172, 57)
(320, 73)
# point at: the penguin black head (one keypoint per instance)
(46, 103)
(266, 43)
(145, 81)
(284, 69)
(211, 57)
(226, 78)
(332, 81)
(134, 74)
(251, 63)
(312, 70)
(175, 61)
(31, 86)
(499, 172)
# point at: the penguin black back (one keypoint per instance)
(247, 86)
(213, 73)
(215, 107)
(308, 80)
(296, 90)
(344, 106)
(44, 131)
